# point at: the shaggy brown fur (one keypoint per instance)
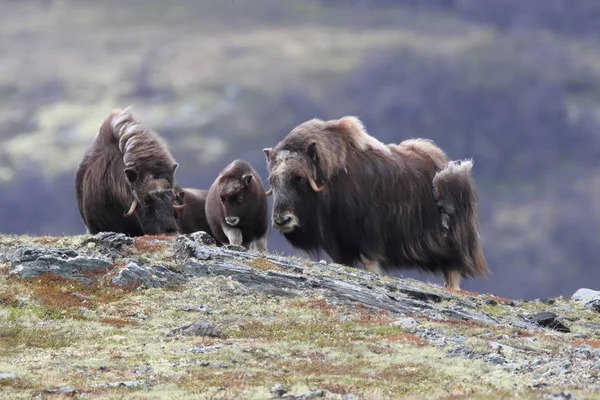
(236, 207)
(192, 217)
(338, 189)
(127, 167)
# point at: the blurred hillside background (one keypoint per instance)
(513, 84)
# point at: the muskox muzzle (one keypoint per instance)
(285, 221)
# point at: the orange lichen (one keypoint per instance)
(118, 322)
(590, 342)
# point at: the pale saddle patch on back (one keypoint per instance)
(359, 135)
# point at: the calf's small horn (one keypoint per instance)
(269, 192)
(178, 206)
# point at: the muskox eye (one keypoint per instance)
(240, 199)
(299, 180)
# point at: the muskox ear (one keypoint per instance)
(312, 151)
(268, 151)
(247, 179)
(131, 174)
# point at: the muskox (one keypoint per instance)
(125, 181)
(191, 217)
(236, 207)
(338, 189)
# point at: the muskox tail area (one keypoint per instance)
(457, 199)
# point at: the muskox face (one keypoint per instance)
(153, 202)
(235, 195)
(292, 176)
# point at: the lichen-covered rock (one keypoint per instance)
(33, 262)
(149, 276)
(185, 248)
(111, 240)
(199, 328)
(202, 238)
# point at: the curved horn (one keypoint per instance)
(314, 186)
(132, 208)
(269, 192)
(178, 206)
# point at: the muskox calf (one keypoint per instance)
(125, 181)
(338, 189)
(236, 207)
(191, 217)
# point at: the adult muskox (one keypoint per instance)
(338, 189)
(125, 181)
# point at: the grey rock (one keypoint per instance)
(469, 316)
(585, 295)
(309, 395)
(7, 375)
(491, 302)
(495, 359)
(421, 294)
(350, 397)
(536, 363)
(406, 323)
(59, 390)
(549, 320)
(234, 247)
(3, 258)
(277, 390)
(596, 367)
(81, 296)
(457, 338)
(111, 240)
(512, 366)
(204, 349)
(460, 350)
(185, 248)
(323, 262)
(593, 305)
(212, 364)
(33, 262)
(560, 396)
(202, 238)
(152, 276)
(123, 384)
(583, 351)
(596, 354)
(199, 328)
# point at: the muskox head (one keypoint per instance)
(295, 179)
(235, 193)
(153, 198)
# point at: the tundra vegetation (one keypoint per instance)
(110, 316)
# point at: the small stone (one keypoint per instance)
(7, 375)
(212, 364)
(460, 350)
(200, 328)
(495, 359)
(596, 367)
(68, 390)
(278, 390)
(202, 238)
(549, 320)
(350, 397)
(323, 262)
(111, 240)
(547, 301)
(596, 354)
(234, 247)
(406, 323)
(536, 363)
(491, 302)
(512, 366)
(124, 384)
(560, 396)
(585, 295)
(185, 248)
(81, 296)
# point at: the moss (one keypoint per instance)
(264, 265)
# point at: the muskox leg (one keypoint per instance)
(372, 266)
(452, 279)
(234, 235)
(259, 244)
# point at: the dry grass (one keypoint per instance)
(264, 265)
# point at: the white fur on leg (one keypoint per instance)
(234, 235)
(452, 279)
(259, 245)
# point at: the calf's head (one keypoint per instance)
(153, 198)
(235, 193)
(294, 176)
